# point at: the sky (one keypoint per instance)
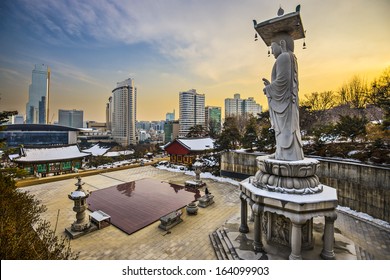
(170, 46)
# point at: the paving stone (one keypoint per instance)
(189, 239)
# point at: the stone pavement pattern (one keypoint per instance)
(188, 240)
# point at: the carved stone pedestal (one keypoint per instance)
(292, 177)
(206, 200)
(287, 195)
(277, 229)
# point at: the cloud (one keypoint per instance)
(209, 38)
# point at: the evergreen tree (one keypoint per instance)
(267, 139)
(230, 136)
(196, 131)
(250, 136)
(351, 127)
(24, 235)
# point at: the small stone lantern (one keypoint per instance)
(79, 196)
(198, 169)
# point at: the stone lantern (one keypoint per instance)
(198, 169)
(82, 224)
(197, 183)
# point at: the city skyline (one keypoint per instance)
(172, 46)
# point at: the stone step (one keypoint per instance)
(216, 246)
(223, 248)
(229, 244)
(362, 254)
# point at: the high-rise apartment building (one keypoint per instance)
(213, 119)
(233, 106)
(251, 107)
(37, 107)
(124, 113)
(237, 106)
(191, 111)
(71, 118)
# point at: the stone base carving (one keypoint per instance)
(277, 230)
(76, 234)
(292, 177)
(206, 200)
(80, 226)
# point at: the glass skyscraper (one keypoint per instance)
(37, 108)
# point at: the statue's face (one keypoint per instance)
(276, 49)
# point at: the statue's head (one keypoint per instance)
(282, 42)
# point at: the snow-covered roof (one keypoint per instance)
(50, 154)
(194, 144)
(197, 144)
(119, 153)
(96, 150)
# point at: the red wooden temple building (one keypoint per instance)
(185, 150)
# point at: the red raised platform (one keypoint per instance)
(135, 205)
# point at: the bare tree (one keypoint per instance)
(320, 101)
(354, 93)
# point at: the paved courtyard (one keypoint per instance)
(187, 240)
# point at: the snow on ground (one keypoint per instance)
(203, 175)
(207, 175)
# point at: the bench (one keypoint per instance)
(100, 218)
(170, 220)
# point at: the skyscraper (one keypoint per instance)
(71, 118)
(37, 107)
(124, 113)
(240, 107)
(170, 116)
(191, 111)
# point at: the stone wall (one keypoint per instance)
(364, 188)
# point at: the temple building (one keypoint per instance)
(185, 150)
(52, 159)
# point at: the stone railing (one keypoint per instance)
(363, 188)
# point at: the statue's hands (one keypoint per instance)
(266, 82)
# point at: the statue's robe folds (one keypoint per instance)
(282, 95)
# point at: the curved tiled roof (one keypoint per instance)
(50, 154)
(38, 127)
